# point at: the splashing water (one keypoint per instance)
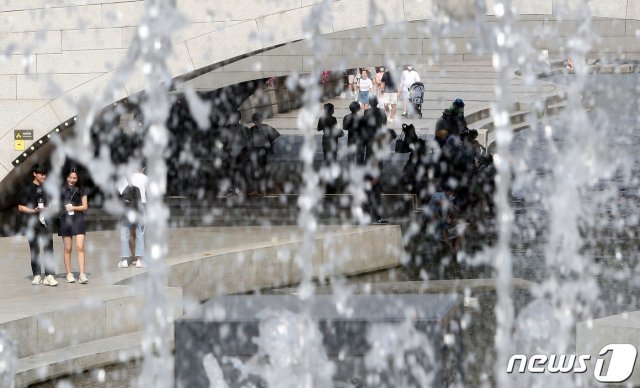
(572, 203)
(292, 346)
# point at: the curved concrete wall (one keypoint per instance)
(57, 52)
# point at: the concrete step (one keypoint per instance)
(490, 135)
(478, 115)
(276, 201)
(80, 315)
(265, 222)
(540, 105)
(78, 358)
(488, 123)
(268, 210)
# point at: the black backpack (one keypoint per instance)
(131, 197)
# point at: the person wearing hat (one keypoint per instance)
(34, 202)
(457, 107)
(452, 119)
(409, 77)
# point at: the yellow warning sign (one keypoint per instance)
(19, 137)
(23, 134)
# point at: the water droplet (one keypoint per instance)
(143, 31)
(102, 375)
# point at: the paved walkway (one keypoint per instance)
(102, 252)
(72, 327)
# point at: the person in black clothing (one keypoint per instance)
(482, 187)
(452, 120)
(35, 202)
(377, 136)
(447, 123)
(235, 140)
(351, 124)
(262, 138)
(330, 134)
(412, 175)
(374, 121)
(473, 150)
(74, 200)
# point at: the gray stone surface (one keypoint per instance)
(591, 336)
(59, 324)
(228, 326)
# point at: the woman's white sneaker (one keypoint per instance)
(123, 264)
(49, 281)
(70, 278)
(83, 279)
(36, 280)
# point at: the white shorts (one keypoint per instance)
(391, 98)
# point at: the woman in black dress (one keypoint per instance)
(74, 200)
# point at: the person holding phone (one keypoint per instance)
(75, 203)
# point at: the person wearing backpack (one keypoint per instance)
(133, 197)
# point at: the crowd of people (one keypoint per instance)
(379, 82)
(454, 174)
(451, 173)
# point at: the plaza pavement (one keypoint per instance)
(71, 327)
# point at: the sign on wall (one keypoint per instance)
(20, 136)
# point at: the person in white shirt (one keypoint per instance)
(409, 77)
(364, 86)
(133, 218)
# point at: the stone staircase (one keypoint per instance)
(281, 209)
(96, 326)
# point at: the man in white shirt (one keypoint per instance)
(409, 77)
(133, 217)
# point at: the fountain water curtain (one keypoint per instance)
(561, 184)
(147, 54)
